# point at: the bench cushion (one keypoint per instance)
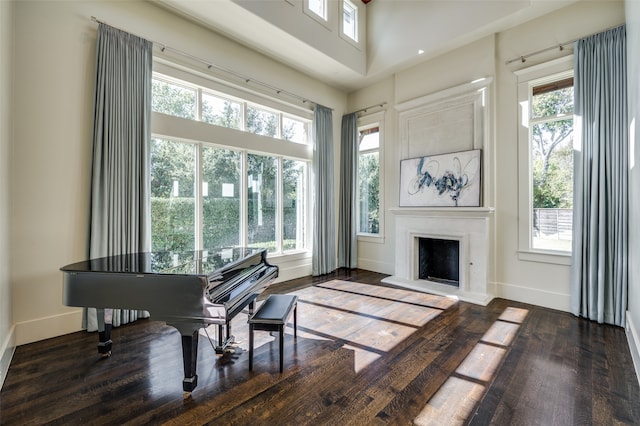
(274, 310)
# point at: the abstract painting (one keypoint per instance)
(445, 180)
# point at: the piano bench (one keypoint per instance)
(273, 315)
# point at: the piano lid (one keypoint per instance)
(195, 262)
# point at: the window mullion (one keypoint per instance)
(244, 117)
(244, 203)
(199, 105)
(199, 202)
(279, 206)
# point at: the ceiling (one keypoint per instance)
(396, 30)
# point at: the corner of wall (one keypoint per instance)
(7, 349)
(634, 344)
(47, 327)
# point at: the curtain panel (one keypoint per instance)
(348, 224)
(120, 214)
(600, 204)
(324, 229)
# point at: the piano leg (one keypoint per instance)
(189, 359)
(105, 319)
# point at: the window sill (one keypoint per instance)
(370, 238)
(557, 258)
(289, 256)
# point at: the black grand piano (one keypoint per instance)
(188, 290)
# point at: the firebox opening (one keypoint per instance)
(439, 260)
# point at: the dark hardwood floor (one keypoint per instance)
(365, 354)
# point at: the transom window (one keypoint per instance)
(181, 99)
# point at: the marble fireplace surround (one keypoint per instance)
(469, 226)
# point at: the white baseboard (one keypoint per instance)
(634, 344)
(534, 296)
(45, 328)
(376, 266)
(298, 271)
(7, 348)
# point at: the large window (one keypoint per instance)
(369, 181)
(546, 160)
(551, 127)
(241, 181)
(370, 195)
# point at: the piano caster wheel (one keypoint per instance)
(105, 355)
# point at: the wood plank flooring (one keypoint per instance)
(366, 354)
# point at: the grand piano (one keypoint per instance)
(187, 290)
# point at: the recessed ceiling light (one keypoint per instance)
(420, 51)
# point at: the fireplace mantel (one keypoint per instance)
(469, 225)
(443, 211)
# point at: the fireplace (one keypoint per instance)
(443, 251)
(439, 260)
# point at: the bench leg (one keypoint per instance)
(281, 347)
(295, 321)
(250, 347)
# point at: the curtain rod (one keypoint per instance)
(381, 104)
(163, 47)
(523, 58)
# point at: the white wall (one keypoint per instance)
(539, 283)
(7, 341)
(632, 9)
(54, 68)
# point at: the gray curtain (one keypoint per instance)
(348, 221)
(120, 216)
(324, 230)
(599, 268)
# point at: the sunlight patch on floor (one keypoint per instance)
(454, 402)
(440, 410)
(370, 320)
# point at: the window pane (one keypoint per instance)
(294, 130)
(221, 111)
(368, 193)
(369, 140)
(172, 195)
(349, 20)
(318, 7)
(294, 208)
(172, 99)
(220, 197)
(261, 201)
(552, 103)
(552, 164)
(261, 122)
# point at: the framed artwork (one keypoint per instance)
(445, 180)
